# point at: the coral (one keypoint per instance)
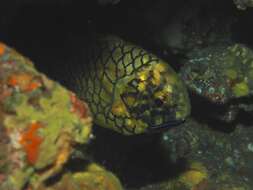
(25, 81)
(78, 106)
(40, 123)
(240, 89)
(194, 175)
(97, 178)
(2, 49)
(31, 142)
(94, 177)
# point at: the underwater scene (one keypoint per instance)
(126, 95)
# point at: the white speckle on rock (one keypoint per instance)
(250, 147)
(165, 137)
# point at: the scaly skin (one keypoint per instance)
(129, 89)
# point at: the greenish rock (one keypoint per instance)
(214, 160)
(40, 124)
(222, 74)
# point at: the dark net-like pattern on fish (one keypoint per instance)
(110, 62)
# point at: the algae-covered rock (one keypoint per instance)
(94, 177)
(213, 160)
(195, 177)
(40, 123)
(222, 75)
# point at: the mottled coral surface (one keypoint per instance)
(40, 123)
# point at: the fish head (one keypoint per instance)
(154, 97)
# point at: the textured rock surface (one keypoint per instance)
(215, 160)
(220, 73)
(40, 124)
(221, 76)
(94, 177)
(243, 4)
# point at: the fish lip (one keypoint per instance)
(167, 125)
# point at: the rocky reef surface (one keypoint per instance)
(41, 126)
(243, 4)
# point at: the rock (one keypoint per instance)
(94, 177)
(222, 75)
(40, 125)
(243, 4)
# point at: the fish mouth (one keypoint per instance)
(166, 125)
